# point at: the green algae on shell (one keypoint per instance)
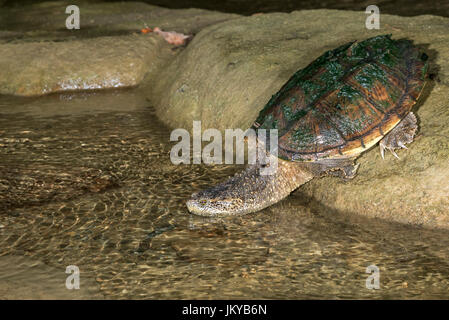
(346, 100)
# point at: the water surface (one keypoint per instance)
(86, 180)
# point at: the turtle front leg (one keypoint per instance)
(402, 134)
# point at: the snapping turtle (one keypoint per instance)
(327, 114)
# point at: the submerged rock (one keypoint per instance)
(231, 69)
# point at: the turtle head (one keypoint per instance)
(208, 203)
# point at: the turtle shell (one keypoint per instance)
(345, 101)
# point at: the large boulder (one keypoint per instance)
(39, 55)
(231, 69)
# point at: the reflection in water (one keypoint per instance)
(87, 181)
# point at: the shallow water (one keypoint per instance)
(86, 180)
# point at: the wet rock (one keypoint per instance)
(230, 70)
(76, 65)
(38, 55)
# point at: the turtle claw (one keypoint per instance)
(397, 138)
(391, 149)
(382, 150)
(394, 153)
(353, 171)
